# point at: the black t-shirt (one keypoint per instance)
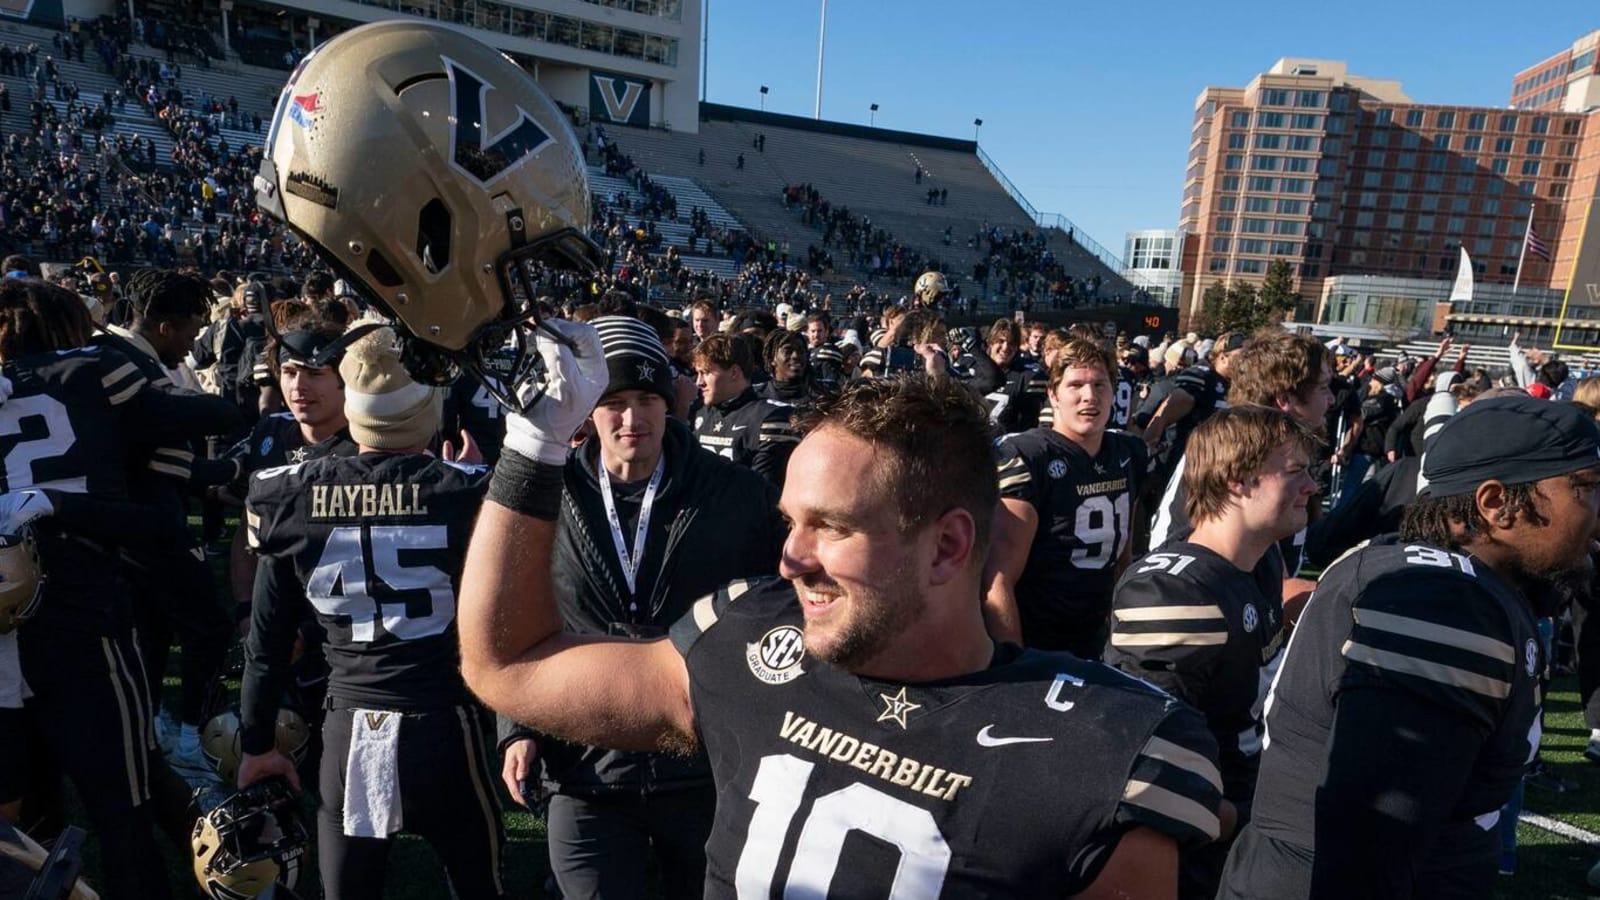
(1420, 622)
(1085, 507)
(1191, 623)
(1013, 781)
(374, 544)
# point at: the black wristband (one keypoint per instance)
(527, 486)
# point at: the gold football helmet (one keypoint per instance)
(250, 841)
(930, 287)
(219, 741)
(435, 176)
(21, 581)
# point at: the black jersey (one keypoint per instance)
(1085, 507)
(1210, 393)
(750, 431)
(469, 407)
(69, 426)
(1127, 395)
(1422, 623)
(374, 544)
(163, 465)
(276, 440)
(834, 785)
(1016, 405)
(1191, 623)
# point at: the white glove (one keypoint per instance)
(21, 507)
(575, 382)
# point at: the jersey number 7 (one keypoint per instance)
(348, 581)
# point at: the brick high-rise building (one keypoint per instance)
(1348, 178)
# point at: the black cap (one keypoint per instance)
(1514, 440)
(635, 356)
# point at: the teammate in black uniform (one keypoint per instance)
(831, 707)
(1201, 617)
(471, 408)
(1195, 393)
(735, 423)
(374, 544)
(1067, 513)
(1015, 404)
(69, 415)
(1407, 707)
(1133, 380)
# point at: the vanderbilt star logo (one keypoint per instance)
(646, 372)
(717, 427)
(896, 706)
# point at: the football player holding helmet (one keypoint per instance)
(250, 842)
(432, 172)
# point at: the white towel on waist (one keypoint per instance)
(372, 775)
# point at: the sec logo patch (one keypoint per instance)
(1058, 468)
(775, 659)
(266, 445)
(1531, 654)
(1250, 617)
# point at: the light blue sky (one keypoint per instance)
(1087, 106)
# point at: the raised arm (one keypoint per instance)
(515, 654)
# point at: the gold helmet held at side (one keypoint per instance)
(21, 581)
(249, 841)
(220, 741)
(433, 175)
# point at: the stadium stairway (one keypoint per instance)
(875, 179)
(688, 195)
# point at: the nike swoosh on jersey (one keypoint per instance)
(739, 427)
(985, 739)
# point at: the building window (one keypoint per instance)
(1472, 144)
(1339, 101)
(1233, 162)
(1541, 124)
(1260, 183)
(1236, 141)
(1491, 207)
(1395, 221)
(1430, 203)
(1365, 220)
(1258, 204)
(1218, 264)
(1294, 186)
(1219, 245)
(1275, 97)
(1445, 119)
(1269, 141)
(1308, 121)
(1563, 170)
(1508, 123)
(1499, 166)
(1433, 183)
(1285, 248)
(1230, 182)
(1476, 121)
(1256, 226)
(1368, 198)
(1371, 179)
(1410, 140)
(1571, 127)
(1413, 118)
(1241, 120)
(1308, 99)
(1424, 223)
(1291, 207)
(1225, 225)
(1530, 167)
(1310, 270)
(1441, 141)
(1526, 188)
(1264, 163)
(1293, 229)
(1385, 116)
(1467, 163)
(1248, 266)
(1297, 164)
(1269, 120)
(1407, 161)
(1302, 142)
(1375, 158)
(1335, 125)
(1402, 181)
(1227, 204)
(1503, 145)
(1252, 245)
(1558, 190)
(1496, 187)
(1536, 147)
(1486, 227)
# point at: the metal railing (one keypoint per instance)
(1064, 225)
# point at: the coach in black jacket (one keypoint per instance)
(650, 523)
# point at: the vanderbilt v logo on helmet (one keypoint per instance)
(472, 150)
(431, 173)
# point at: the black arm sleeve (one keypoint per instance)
(275, 613)
(209, 472)
(1395, 763)
(120, 522)
(161, 415)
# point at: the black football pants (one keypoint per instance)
(94, 716)
(447, 797)
(177, 595)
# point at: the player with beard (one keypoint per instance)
(1407, 707)
(861, 697)
(1201, 617)
(1062, 534)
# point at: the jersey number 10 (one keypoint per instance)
(778, 790)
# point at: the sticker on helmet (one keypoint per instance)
(305, 108)
(310, 187)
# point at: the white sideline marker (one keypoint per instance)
(1571, 832)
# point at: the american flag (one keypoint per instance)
(1537, 246)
